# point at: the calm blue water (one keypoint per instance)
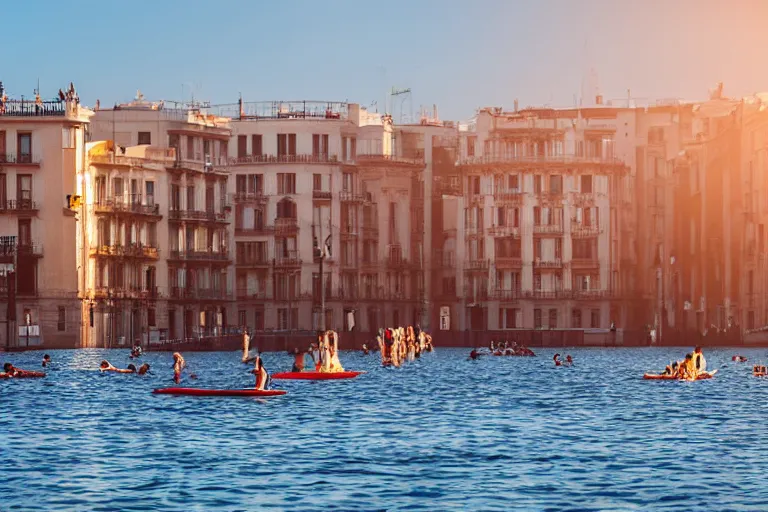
(442, 433)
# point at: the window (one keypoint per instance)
(286, 183)
(256, 146)
(595, 320)
(151, 317)
(242, 146)
(190, 197)
(241, 318)
(190, 147)
(62, 323)
(255, 183)
(317, 182)
(537, 216)
(513, 183)
(286, 144)
(576, 318)
(537, 319)
(508, 318)
(286, 209)
(24, 147)
(552, 319)
(67, 137)
(537, 184)
(145, 138)
(556, 184)
(24, 190)
(471, 140)
(320, 145)
(347, 182)
(240, 183)
(586, 184)
(149, 188)
(25, 232)
(3, 156)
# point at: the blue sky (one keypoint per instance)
(458, 54)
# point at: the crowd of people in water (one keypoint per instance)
(693, 365)
(402, 344)
(502, 348)
(397, 345)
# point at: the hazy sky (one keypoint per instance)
(458, 54)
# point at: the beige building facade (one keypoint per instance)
(41, 154)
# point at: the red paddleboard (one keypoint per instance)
(315, 375)
(23, 375)
(701, 376)
(218, 392)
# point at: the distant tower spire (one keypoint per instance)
(590, 86)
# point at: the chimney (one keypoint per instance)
(516, 105)
(434, 111)
(599, 99)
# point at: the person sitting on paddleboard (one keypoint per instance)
(687, 370)
(262, 377)
(178, 365)
(46, 360)
(700, 363)
(298, 360)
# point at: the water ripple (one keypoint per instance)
(441, 434)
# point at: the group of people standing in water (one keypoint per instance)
(398, 344)
(689, 368)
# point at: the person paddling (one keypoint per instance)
(262, 377)
(178, 365)
(700, 363)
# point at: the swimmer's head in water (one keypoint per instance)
(7, 367)
(47, 357)
(132, 367)
(105, 364)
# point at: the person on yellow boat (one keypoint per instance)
(700, 363)
(335, 362)
(687, 369)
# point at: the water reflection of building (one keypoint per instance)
(40, 154)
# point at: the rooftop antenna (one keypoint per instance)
(404, 94)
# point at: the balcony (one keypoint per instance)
(257, 197)
(508, 262)
(133, 205)
(286, 226)
(369, 264)
(558, 293)
(548, 229)
(283, 159)
(20, 159)
(32, 108)
(521, 161)
(504, 231)
(476, 200)
(244, 261)
(208, 165)
(584, 231)
(395, 258)
(583, 200)
(20, 206)
(322, 195)
(506, 295)
(117, 292)
(345, 196)
(370, 233)
(10, 251)
(380, 159)
(477, 265)
(244, 294)
(449, 188)
(255, 231)
(348, 233)
(585, 263)
(208, 294)
(126, 251)
(289, 261)
(198, 216)
(591, 294)
(508, 197)
(444, 259)
(548, 263)
(200, 256)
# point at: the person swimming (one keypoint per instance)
(144, 369)
(298, 360)
(568, 360)
(557, 360)
(699, 362)
(106, 366)
(475, 355)
(365, 349)
(46, 360)
(262, 377)
(178, 365)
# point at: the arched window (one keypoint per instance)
(286, 209)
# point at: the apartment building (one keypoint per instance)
(41, 152)
(161, 216)
(322, 176)
(538, 202)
